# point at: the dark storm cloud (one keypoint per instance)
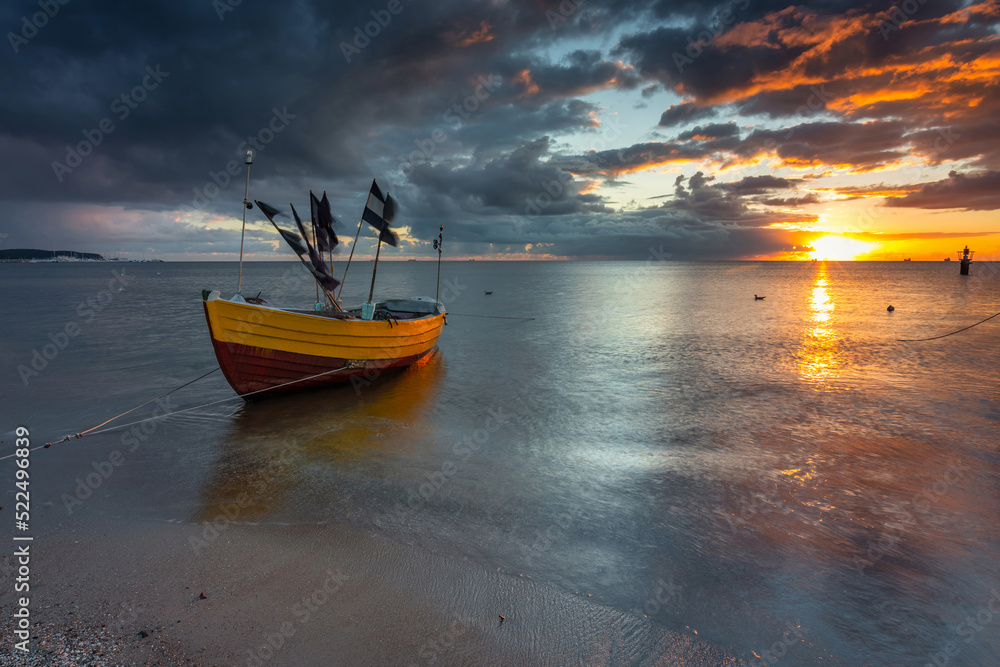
(969, 192)
(710, 132)
(580, 72)
(684, 112)
(520, 183)
(915, 236)
(649, 233)
(801, 100)
(733, 202)
(858, 147)
(225, 77)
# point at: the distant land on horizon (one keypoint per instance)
(33, 253)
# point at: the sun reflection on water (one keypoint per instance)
(819, 358)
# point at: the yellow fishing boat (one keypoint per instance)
(263, 349)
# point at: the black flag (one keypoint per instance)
(317, 266)
(323, 220)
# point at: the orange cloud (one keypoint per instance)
(464, 38)
(524, 78)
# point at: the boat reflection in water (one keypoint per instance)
(294, 456)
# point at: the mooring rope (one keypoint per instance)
(83, 433)
(177, 412)
(921, 340)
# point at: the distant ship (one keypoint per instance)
(947, 259)
(907, 259)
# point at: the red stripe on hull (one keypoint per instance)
(253, 369)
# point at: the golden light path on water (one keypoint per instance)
(819, 359)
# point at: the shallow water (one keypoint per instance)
(783, 476)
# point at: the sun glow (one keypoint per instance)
(839, 248)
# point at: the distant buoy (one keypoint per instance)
(890, 309)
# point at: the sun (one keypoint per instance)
(839, 248)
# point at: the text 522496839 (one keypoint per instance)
(22, 551)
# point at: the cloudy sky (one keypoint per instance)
(529, 128)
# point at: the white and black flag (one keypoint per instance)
(379, 212)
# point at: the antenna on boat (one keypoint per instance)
(246, 205)
(347, 268)
(438, 244)
(370, 305)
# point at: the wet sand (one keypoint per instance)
(112, 593)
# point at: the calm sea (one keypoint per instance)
(763, 472)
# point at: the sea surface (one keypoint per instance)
(784, 477)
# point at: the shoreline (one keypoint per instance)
(131, 593)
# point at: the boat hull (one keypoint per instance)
(264, 350)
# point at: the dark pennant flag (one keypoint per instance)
(316, 265)
(323, 221)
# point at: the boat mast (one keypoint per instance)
(348, 267)
(437, 246)
(246, 205)
(378, 249)
(312, 217)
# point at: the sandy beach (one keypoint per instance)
(114, 594)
